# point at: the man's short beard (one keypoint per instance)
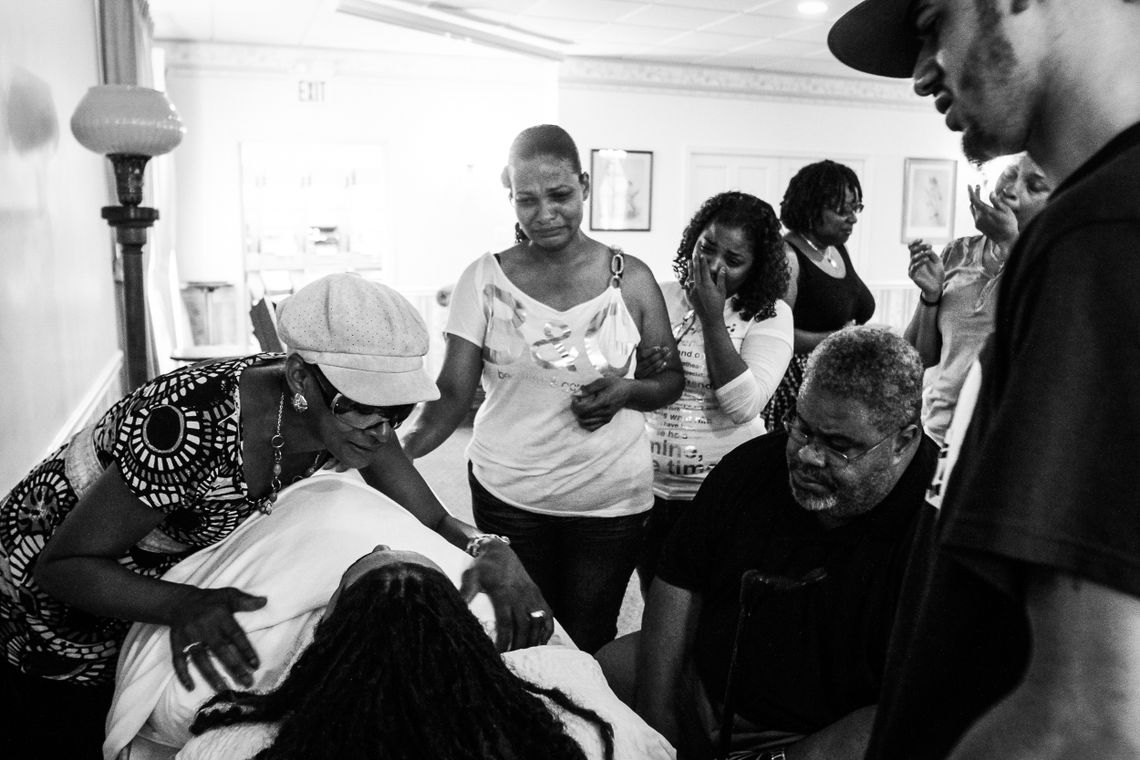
(814, 502)
(846, 503)
(993, 70)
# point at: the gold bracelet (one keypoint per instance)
(475, 544)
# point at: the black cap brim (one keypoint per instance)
(876, 37)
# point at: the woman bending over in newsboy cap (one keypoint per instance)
(177, 465)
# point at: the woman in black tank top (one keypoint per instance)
(819, 210)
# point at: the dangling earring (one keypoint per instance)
(300, 403)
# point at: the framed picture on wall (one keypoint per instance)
(928, 199)
(621, 189)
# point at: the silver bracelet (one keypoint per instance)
(475, 544)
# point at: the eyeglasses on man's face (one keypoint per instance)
(832, 457)
(355, 414)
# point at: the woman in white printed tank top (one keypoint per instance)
(559, 460)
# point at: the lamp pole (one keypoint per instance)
(129, 124)
(131, 222)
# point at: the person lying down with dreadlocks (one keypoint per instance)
(399, 667)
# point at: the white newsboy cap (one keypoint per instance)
(368, 340)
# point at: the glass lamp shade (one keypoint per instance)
(127, 119)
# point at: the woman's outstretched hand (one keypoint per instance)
(522, 617)
(596, 403)
(203, 629)
(926, 270)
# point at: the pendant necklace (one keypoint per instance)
(827, 254)
(277, 443)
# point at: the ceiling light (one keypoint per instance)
(424, 19)
(812, 8)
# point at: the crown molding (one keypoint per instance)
(274, 61)
(574, 72)
(711, 81)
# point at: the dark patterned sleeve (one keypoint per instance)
(176, 436)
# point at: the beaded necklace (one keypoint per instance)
(277, 442)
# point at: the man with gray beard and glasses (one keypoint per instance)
(836, 497)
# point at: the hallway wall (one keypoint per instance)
(58, 332)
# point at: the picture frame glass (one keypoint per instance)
(621, 189)
(929, 192)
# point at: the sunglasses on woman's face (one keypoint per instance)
(355, 414)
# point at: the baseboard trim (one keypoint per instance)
(104, 392)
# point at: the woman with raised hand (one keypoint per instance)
(820, 209)
(177, 465)
(559, 460)
(958, 297)
(734, 337)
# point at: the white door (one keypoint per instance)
(712, 173)
(765, 176)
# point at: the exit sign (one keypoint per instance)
(311, 91)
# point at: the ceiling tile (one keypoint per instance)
(753, 34)
(709, 41)
(626, 34)
(751, 25)
(674, 17)
(585, 10)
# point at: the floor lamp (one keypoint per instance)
(129, 124)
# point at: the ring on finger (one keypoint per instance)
(186, 650)
(537, 614)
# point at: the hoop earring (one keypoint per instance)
(300, 403)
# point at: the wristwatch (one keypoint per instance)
(475, 544)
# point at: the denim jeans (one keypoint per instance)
(582, 565)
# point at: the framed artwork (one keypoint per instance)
(621, 190)
(928, 199)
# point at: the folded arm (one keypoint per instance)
(765, 355)
(598, 402)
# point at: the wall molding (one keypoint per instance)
(100, 396)
(186, 57)
(581, 72)
(711, 81)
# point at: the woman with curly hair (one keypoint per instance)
(820, 208)
(734, 337)
(397, 668)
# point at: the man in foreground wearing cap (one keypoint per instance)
(1018, 630)
(177, 465)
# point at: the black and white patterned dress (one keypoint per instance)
(177, 442)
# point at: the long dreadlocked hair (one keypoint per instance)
(401, 669)
(814, 188)
(768, 278)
